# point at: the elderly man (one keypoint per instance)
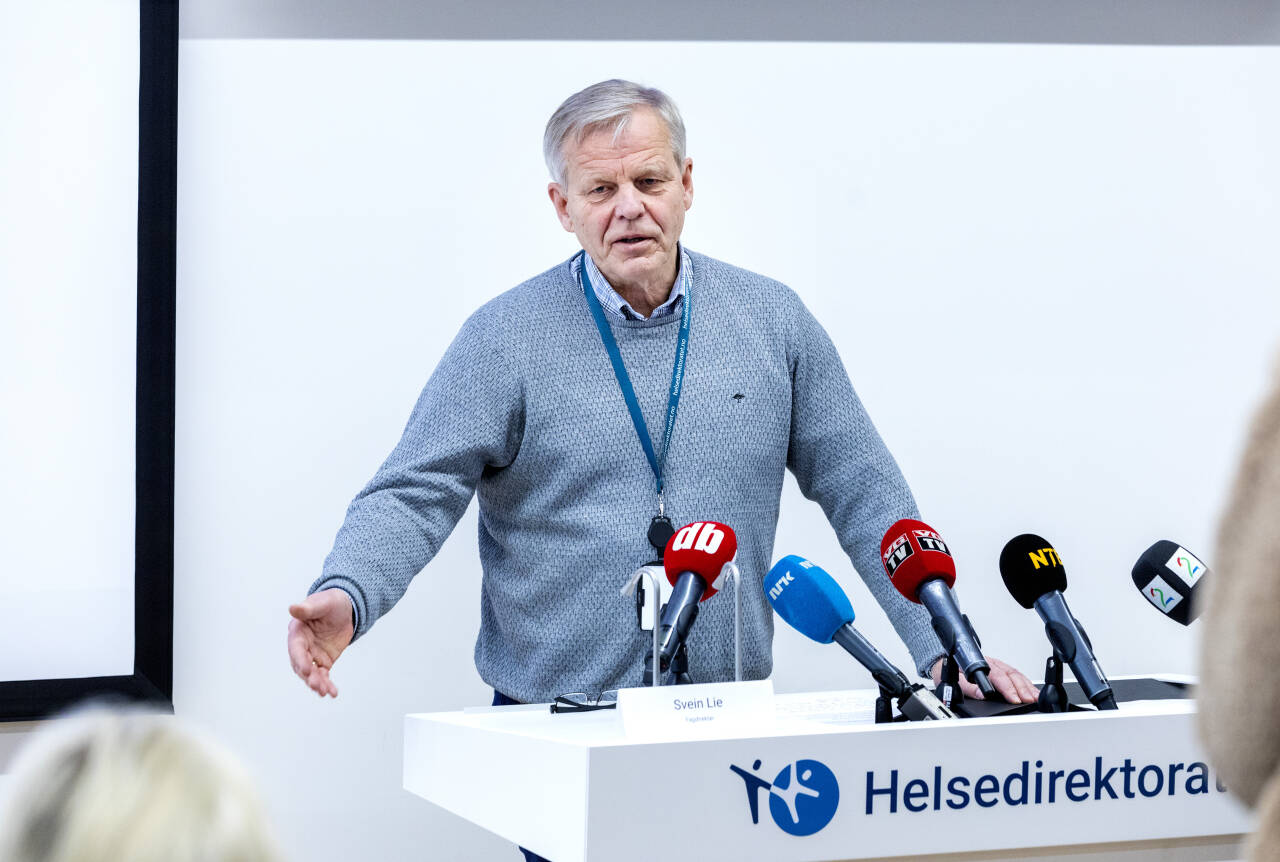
(636, 385)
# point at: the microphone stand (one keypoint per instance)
(948, 690)
(915, 703)
(737, 620)
(680, 666)
(884, 708)
(1053, 695)
(652, 675)
(677, 672)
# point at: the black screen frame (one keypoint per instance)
(152, 679)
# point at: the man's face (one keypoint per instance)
(625, 200)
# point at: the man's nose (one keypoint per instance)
(629, 205)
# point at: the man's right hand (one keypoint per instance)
(318, 633)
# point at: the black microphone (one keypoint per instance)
(1169, 575)
(1035, 577)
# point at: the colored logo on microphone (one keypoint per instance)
(1160, 594)
(802, 797)
(928, 540)
(700, 536)
(1184, 564)
(1046, 557)
(780, 585)
(897, 551)
(896, 554)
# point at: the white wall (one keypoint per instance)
(1049, 271)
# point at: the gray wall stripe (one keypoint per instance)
(1153, 22)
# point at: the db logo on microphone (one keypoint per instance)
(700, 536)
(802, 797)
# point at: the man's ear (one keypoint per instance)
(686, 180)
(561, 203)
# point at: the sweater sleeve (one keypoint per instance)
(840, 462)
(468, 420)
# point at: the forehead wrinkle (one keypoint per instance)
(618, 126)
(658, 160)
(619, 129)
(615, 165)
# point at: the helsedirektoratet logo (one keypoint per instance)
(803, 796)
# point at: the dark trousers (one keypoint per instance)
(500, 699)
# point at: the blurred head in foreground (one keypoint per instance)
(129, 787)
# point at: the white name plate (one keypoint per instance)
(705, 710)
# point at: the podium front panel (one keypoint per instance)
(807, 790)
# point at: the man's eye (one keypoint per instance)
(650, 181)
(598, 190)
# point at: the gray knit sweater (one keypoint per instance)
(525, 412)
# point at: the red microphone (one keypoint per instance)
(696, 559)
(703, 548)
(913, 553)
(920, 566)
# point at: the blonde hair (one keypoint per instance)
(130, 787)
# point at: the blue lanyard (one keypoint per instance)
(656, 461)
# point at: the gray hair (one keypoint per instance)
(607, 105)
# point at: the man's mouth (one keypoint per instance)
(632, 240)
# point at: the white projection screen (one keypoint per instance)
(83, 246)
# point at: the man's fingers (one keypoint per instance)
(320, 682)
(329, 687)
(307, 656)
(304, 610)
(1012, 683)
(1000, 681)
(299, 654)
(1028, 690)
(970, 690)
(1005, 685)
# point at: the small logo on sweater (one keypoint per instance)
(739, 398)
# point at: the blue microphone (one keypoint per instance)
(813, 604)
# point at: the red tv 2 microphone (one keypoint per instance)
(921, 567)
(695, 561)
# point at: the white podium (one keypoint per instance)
(821, 781)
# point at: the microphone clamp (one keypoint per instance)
(920, 704)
